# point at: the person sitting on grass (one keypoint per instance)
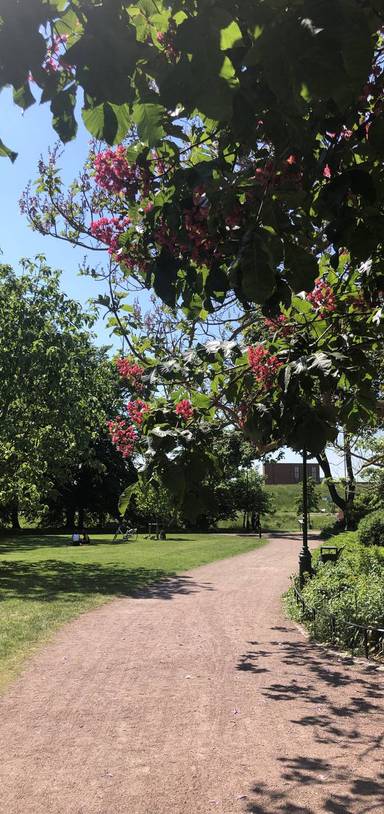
(85, 538)
(76, 538)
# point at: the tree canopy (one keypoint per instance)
(258, 128)
(251, 174)
(57, 388)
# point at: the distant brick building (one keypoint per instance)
(276, 473)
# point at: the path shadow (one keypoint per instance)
(359, 795)
(50, 579)
(248, 662)
(340, 706)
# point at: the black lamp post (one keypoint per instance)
(305, 558)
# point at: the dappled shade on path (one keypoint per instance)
(341, 726)
(212, 702)
(48, 579)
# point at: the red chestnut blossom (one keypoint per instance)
(327, 172)
(322, 298)
(116, 175)
(137, 410)
(279, 324)
(167, 41)
(264, 365)
(286, 175)
(184, 409)
(123, 436)
(130, 370)
(108, 230)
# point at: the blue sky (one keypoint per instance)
(30, 134)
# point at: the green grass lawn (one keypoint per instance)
(44, 582)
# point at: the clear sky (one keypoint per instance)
(30, 134)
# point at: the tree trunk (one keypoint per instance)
(15, 515)
(350, 486)
(324, 464)
(70, 517)
(81, 517)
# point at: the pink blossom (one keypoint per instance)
(322, 298)
(264, 365)
(130, 370)
(184, 409)
(137, 410)
(123, 436)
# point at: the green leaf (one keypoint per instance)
(376, 134)
(230, 35)
(254, 270)
(23, 97)
(125, 498)
(165, 273)
(62, 108)
(149, 120)
(107, 122)
(215, 98)
(201, 400)
(149, 7)
(301, 268)
(5, 151)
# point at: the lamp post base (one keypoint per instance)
(305, 564)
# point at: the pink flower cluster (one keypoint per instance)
(137, 410)
(322, 298)
(264, 365)
(201, 245)
(167, 41)
(53, 63)
(131, 371)
(108, 231)
(279, 324)
(184, 409)
(284, 175)
(116, 175)
(123, 436)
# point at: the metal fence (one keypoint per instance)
(365, 638)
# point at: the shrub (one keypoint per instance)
(331, 529)
(371, 529)
(352, 590)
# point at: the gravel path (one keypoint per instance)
(198, 696)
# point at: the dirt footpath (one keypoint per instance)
(196, 697)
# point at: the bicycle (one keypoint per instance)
(127, 534)
(130, 535)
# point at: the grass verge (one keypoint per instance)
(44, 582)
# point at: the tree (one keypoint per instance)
(153, 503)
(250, 497)
(278, 376)
(56, 386)
(312, 498)
(250, 176)
(93, 488)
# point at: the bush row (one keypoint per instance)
(352, 590)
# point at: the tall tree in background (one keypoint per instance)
(57, 389)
